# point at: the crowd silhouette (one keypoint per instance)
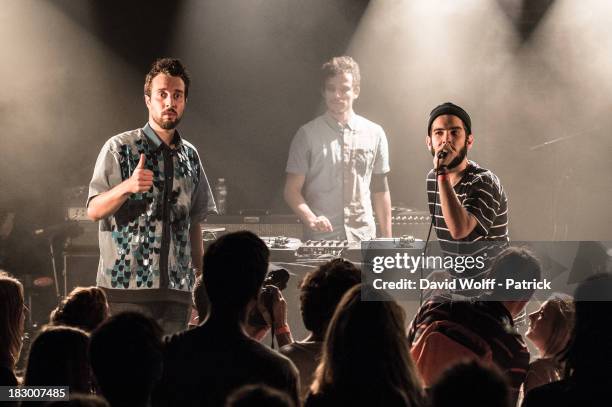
(361, 350)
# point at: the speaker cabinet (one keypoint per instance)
(80, 269)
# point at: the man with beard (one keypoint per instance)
(471, 199)
(150, 193)
(466, 201)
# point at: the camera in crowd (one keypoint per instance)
(278, 278)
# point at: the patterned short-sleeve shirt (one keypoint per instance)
(145, 248)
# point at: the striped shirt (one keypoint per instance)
(490, 320)
(481, 194)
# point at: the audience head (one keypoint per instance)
(58, 357)
(321, 291)
(550, 326)
(84, 307)
(126, 358)
(589, 354)
(471, 384)
(516, 263)
(12, 320)
(234, 269)
(80, 400)
(258, 395)
(365, 351)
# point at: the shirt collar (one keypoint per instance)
(155, 142)
(337, 126)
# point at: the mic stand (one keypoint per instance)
(433, 219)
(54, 268)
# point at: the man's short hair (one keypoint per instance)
(168, 66)
(519, 264)
(322, 289)
(126, 357)
(471, 384)
(234, 269)
(340, 65)
(253, 395)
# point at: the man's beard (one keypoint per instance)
(168, 124)
(457, 160)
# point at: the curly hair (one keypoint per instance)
(168, 66)
(340, 65)
(84, 307)
(321, 291)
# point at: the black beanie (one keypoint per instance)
(450, 108)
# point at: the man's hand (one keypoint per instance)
(321, 224)
(141, 179)
(107, 203)
(279, 308)
(278, 319)
(442, 162)
(295, 200)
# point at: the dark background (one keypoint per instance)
(529, 73)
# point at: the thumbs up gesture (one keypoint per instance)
(141, 179)
(142, 162)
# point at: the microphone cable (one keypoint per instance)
(433, 218)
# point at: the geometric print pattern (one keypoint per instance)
(136, 228)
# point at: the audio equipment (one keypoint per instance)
(408, 222)
(322, 248)
(261, 225)
(87, 239)
(282, 249)
(74, 199)
(80, 269)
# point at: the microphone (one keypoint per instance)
(442, 154)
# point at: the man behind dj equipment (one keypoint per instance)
(338, 164)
